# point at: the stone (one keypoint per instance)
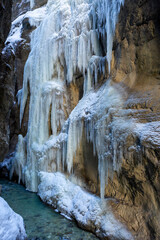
(134, 190)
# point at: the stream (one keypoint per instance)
(41, 221)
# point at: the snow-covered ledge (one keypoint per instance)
(87, 209)
(11, 224)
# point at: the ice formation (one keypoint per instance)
(87, 209)
(67, 44)
(99, 116)
(31, 4)
(34, 17)
(12, 226)
(105, 23)
(19, 159)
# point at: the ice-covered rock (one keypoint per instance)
(88, 210)
(6, 165)
(11, 224)
(149, 133)
(15, 34)
(67, 43)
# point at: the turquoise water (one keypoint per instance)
(41, 221)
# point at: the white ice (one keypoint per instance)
(85, 208)
(11, 224)
(97, 114)
(149, 133)
(67, 44)
(14, 37)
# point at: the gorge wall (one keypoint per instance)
(89, 101)
(6, 95)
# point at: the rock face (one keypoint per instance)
(137, 66)
(19, 7)
(105, 132)
(6, 91)
(5, 16)
(38, 3)
(13, 58)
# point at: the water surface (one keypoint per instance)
(41, 221)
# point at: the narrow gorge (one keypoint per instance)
(80, 110)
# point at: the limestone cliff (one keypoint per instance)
(136, 67)
(89, 104)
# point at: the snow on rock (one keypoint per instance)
(149, 133)
(99, 114)
(6, 165)
(11, 224)
(34, 17)
(49, 152)
(88, 210)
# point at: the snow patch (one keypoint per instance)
(88, 210)
(34, 17)
(11, 224)
(149, 133)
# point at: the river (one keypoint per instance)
(41, 221)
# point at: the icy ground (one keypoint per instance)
(11, 224)
(88, 210)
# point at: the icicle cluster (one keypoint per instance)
(74, 136)
(31, 4)
(20, 159)
(66, 44)
(105, 14)
(97, 113)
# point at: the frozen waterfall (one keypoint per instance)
(66, 44)
(31, 4)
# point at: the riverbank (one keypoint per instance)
(41, 221)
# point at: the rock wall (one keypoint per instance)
(123, 118)
(14, 53)
(136, 66)
(6, 91)
(19, 7)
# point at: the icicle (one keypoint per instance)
(107, 12)
(20, 159)
(31, 4)
(66, 42)
(102, 175)
(74, 137)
